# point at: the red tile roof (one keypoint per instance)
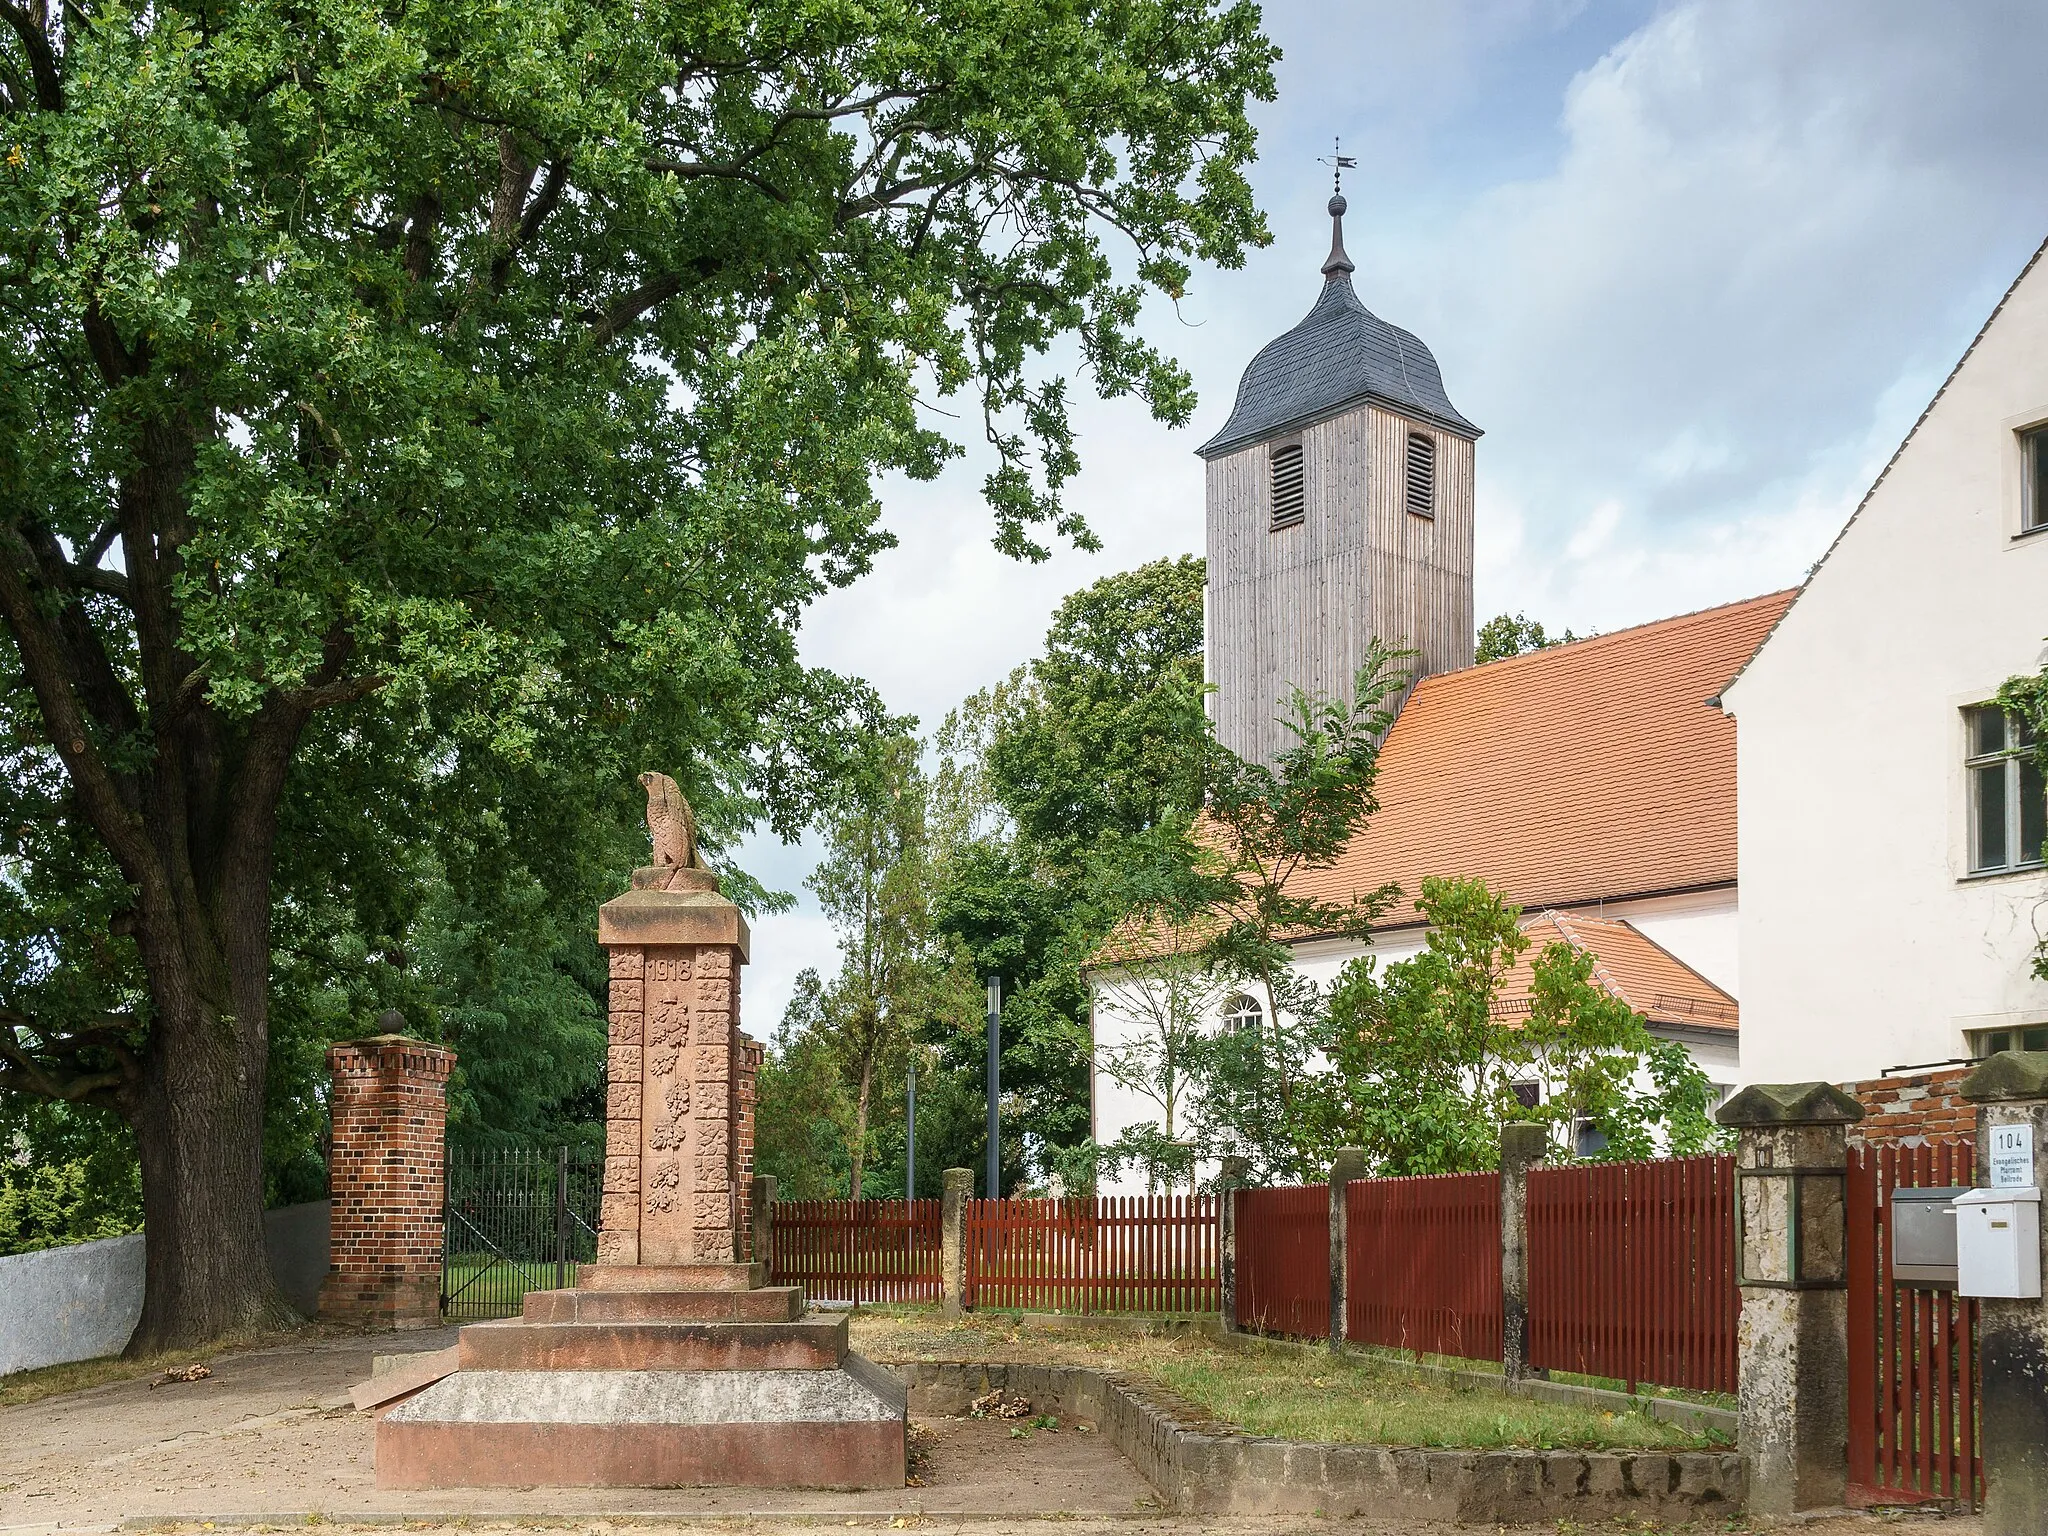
(1629, 965)
(1595, 770)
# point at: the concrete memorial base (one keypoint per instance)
(620, 1385)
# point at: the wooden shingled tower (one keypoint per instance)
(1339, 508)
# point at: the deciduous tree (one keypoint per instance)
(1516, 634)
(416, 420)
(1424, 1067)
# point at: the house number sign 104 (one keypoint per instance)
(2012, 1156)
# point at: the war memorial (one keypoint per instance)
(671, 1362)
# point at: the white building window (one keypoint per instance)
(2008, 798)
(2034, 487)
(1989, 1042)
(1242, 1012)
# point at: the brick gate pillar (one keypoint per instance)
(390, 1113)
(1791, 1171)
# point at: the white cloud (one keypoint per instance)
(1694, 268)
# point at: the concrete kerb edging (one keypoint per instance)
(1202, 1467)
(545, 1520)
(1669, 1410)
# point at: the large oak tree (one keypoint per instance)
(417, 418)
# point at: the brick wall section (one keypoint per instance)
(1912, 1108)
(390, 1113)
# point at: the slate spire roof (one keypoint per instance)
(1340, 356)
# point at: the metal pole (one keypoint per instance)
(995, 1088)
(910, 1137)
(562, 1218)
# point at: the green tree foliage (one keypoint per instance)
(1266, 827)
(67, 1175)
(2026, 699)
(1424, 1067)
(1047, 784)
(1108, 737)
(896, 976)
(1153, 1027)
(1516, 634)
(414, 421)
(803, 1124)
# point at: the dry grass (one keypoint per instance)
(1270, 1389)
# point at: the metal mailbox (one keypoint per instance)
(2001, 1242)
(1924, 1237)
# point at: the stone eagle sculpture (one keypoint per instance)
(672, 823)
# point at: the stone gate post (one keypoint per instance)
(386, 1174)
(2010, 1091)
(1791, 1164)
(1522, 1146)
(957, 1189)
(1348, 1164)
(1236, 1174)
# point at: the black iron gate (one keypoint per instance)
(518, 1220)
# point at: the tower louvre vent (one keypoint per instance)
(1287, 487)
(1421, 474)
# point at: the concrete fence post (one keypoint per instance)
(1348, 1164)
(2010, 1091)
(1522, 1146)
(1791, 1163)
(1236, 1174)
(761, 1220)
(958, 1190)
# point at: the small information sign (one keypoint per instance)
(2012, 1156)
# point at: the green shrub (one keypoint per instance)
(47, 1205)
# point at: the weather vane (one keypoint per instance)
(1339, 162)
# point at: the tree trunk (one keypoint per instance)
(199, 1134)
(198, 1114)
(860, 1123)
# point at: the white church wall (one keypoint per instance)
(1865, 941)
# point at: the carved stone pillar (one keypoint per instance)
(674, 1074)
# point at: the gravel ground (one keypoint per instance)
(271, 1434)
(269, 1439)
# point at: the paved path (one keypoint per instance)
(270, 1438)
(271, 1435)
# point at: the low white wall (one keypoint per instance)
(82, 1301)
(72, 1303)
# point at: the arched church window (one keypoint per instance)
(1288, 499)
(1242, 1013)
(1422, 474)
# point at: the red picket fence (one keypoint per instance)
(1283, 1260)
(858, 1250)
(1914, 1407)
(1424, 1264)
(1632, 1271)
(1138, 1253)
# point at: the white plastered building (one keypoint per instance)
(1890, 831)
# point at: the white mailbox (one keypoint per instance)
(1998, 1242)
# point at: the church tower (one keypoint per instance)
(1339, 508)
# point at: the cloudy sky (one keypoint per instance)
(1695, 268)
